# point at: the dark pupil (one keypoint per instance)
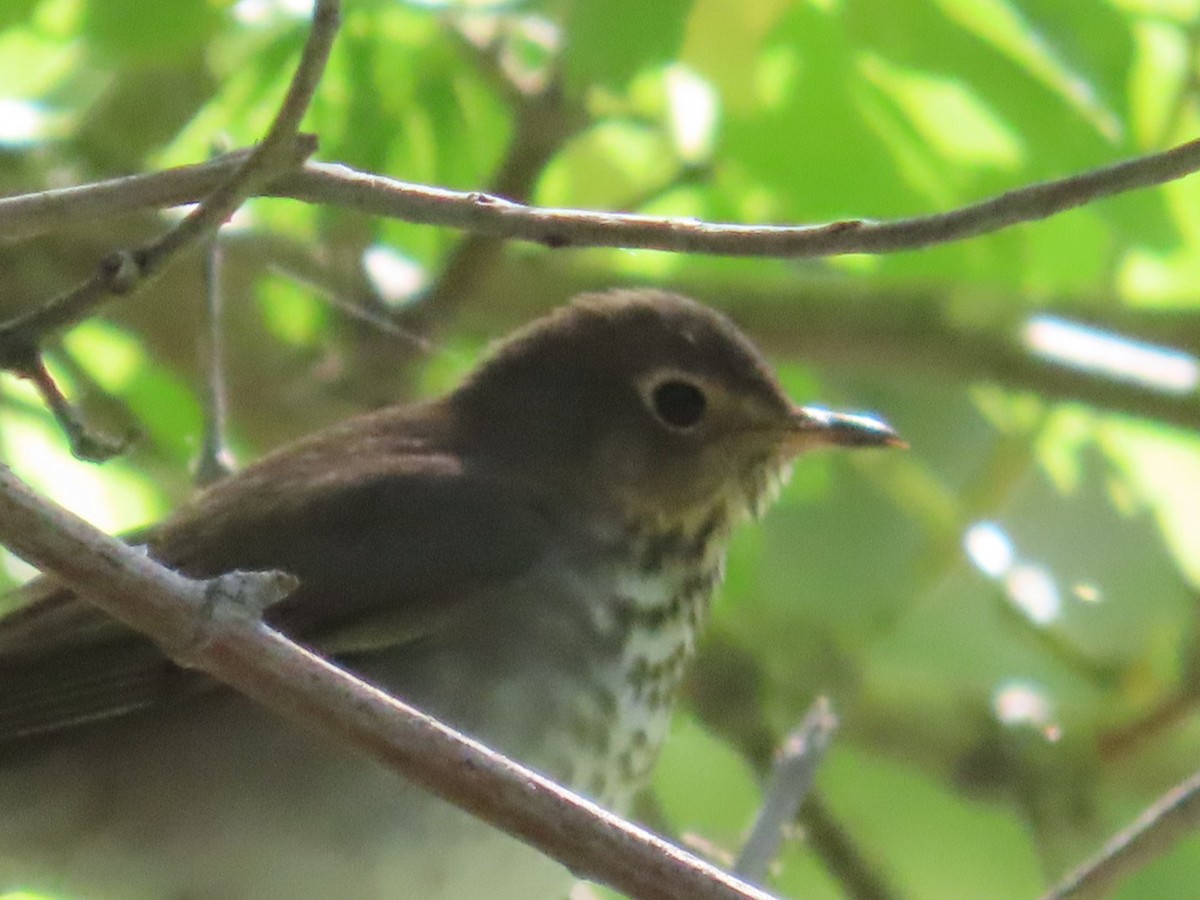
(678, 403)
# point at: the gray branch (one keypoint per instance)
(31, 214)
(1164, 824)
(215, 626)
(791, 779)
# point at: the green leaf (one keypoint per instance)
(13, 12)
(727, 806)
(610, 41)
(140, 33)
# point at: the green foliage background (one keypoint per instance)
(858, 586)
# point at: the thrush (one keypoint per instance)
(530, 558)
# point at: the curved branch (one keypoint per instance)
(336, 185)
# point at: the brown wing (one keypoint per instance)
(387, 546)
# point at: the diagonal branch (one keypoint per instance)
(125, 271)
(791, 780)
(84, 443)
(215, 626)
(1167, 821)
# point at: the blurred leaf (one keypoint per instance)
(936, 845)
(137, 33)
(14, 12)
(609, 42)
(139, 111)
(1093, 41)
(607, 166)
(291, 314)
(723, 43)
(726, 806)
(116, 355)
(1173, 874)
(811, 130)
(1163, 467)
(115, 499)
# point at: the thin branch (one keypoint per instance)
(118, 274)
(1126, 739)
(724, 688)
(566, 227)
(214, 460)
(272, 154)
(791, 778)
(85, 444)
(1171, 818)
(215, 626)
(125, 271)
(28, 215)
(484, 214)
(341, 297)
(1168, 712)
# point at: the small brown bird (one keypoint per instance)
(530, 558)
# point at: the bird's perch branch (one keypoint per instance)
(215, 626)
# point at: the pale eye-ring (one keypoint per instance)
(677, 403)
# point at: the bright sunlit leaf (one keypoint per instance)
(290, 313)
(112, 355)
(114, 498)
(957, 123)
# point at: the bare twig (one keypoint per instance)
(125, 271)
(1168, 712)
(485, 214)
(28, 215)
(1171, 818)
(565, 227)
(272, 154)
(1128, 738)
(85, 444)
(791, 778)
(118, 274)
(336, 295)
(208, 625)
(724, 688)
(214, 461)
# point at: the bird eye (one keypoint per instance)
(679, 404)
